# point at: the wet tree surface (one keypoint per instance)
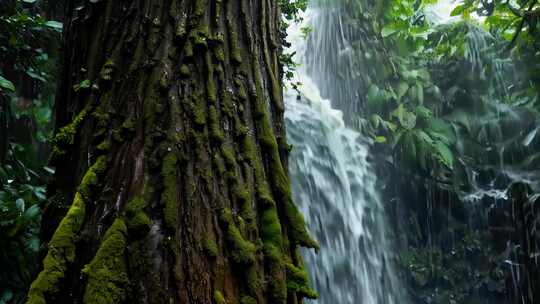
(171, 182)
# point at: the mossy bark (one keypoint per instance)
(170, 148)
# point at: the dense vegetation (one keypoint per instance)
(28, 69)
(468, 125)
(452, 109)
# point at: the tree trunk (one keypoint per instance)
(171, 182)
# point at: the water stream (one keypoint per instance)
(335, 185)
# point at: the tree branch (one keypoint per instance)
(521, 24)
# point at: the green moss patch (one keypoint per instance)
(298, 282)
(107, 272)
(210, 247)
(219, 298)
(169, 196)
(137, 221)
(247, 300)
(243, 251)
(62, 247)
(66, 135)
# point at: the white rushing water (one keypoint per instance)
(335, 188)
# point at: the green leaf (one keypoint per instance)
(19, 203)
(406, 119)
(58, 26)
(445, 155)
(376, 98)
(380, 139)
(423, 136)
(458, 10)
(410, 75)
(402, 88)
(462, 118)
(389, 126)
(49, 170)
(6, 84)
(375, 121)
(424, 148)
(388, 31)
(6, 297)
(419, 93)
(39, 192)
(397, 139)
(373, 94)
(398, 112)
(424, 114)
(442, 131)
(33, 244)
(408, 145)
(32, 73)
(32, 212)
(85, 84)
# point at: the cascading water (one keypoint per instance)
(507, 132)
(497, 146)
(334, 185)
(507, 135)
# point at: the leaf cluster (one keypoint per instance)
(28, 69)
(22, 194)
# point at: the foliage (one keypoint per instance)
(515, 22)
(446, 276)
(290, 10)
(453, 108)
(28, 60)
(28, 63)
(508, 18)
(21, 196)
(25, 33)
(403, 103)
(442, 79)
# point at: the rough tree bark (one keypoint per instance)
(171, 182)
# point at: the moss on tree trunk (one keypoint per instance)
(171, 182)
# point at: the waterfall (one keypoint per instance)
(335, 188)
(507, 131)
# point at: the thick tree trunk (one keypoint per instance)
(171, 163)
